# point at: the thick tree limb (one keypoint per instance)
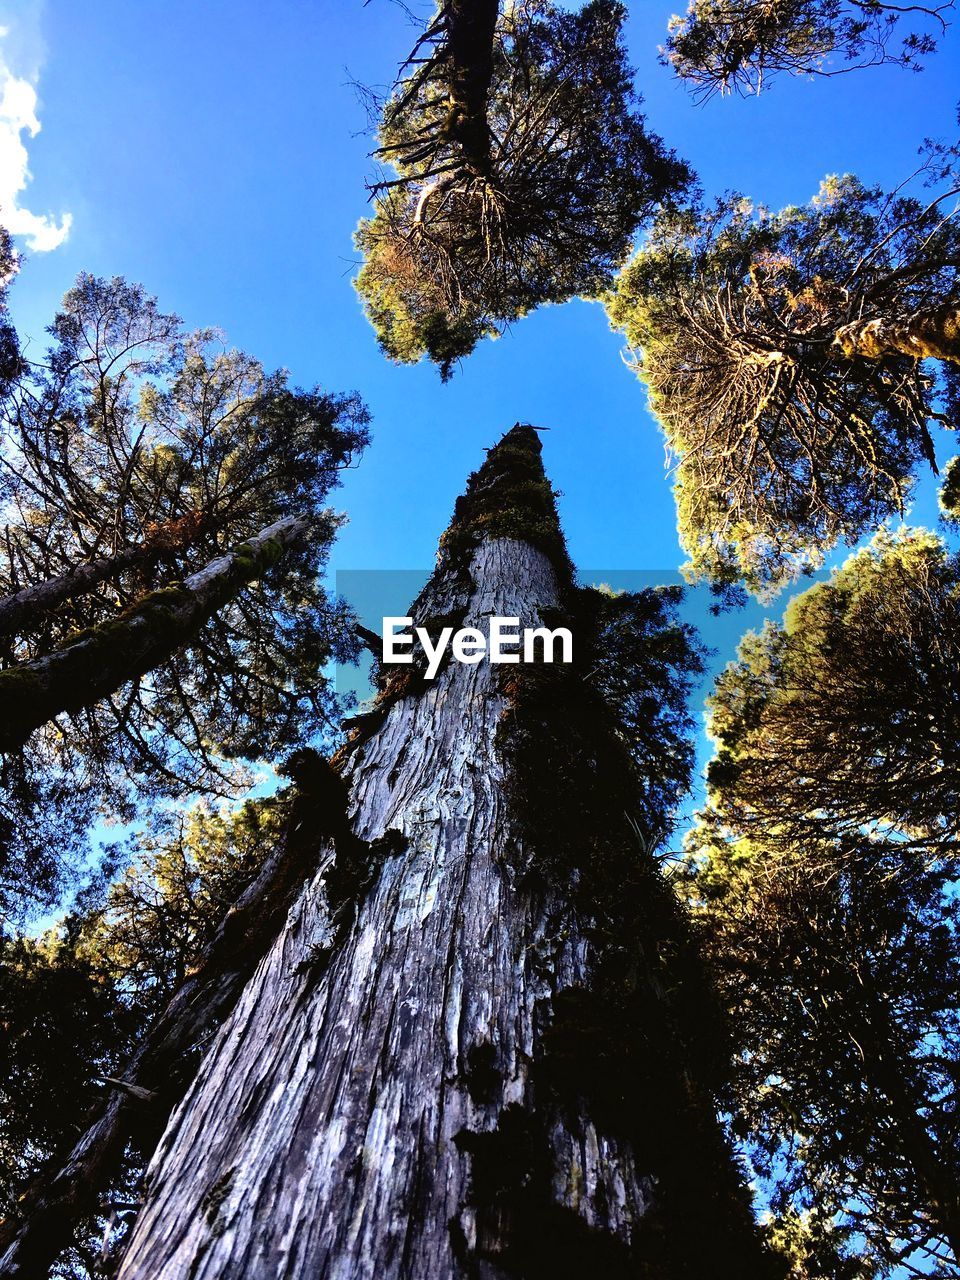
(102, 659)
(33, 602)
(933, 333)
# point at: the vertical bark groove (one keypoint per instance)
(163, 1065)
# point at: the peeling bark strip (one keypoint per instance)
(161, 1069)
(381, 1116)
(102, 659)
(932, 334)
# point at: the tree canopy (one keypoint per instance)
(740, 45)
(75, 1001)
(841, 989)
(823, 873)
(847, 714)
(523, 169)
(9, 346)
(785, 356)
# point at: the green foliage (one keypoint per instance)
(157, 917)
(812, 1245)
(785, 445)
(65, 1024)
(949, 495)
(724, 45)
(508, 497)
(154, 452)
(9, 345)
(523, 171)
(841, 975)
(823, 875)
(848, 711)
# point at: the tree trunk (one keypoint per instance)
(373, 1107)
(933, 334)
(471, 29)
(463, 34)
(99, 661)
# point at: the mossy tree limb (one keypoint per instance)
(101, 660)
(461, 36)
(32, 603)
(931, 334)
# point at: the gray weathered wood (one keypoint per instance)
(163, 1065)
(318, 1139)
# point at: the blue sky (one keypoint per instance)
(216, 152)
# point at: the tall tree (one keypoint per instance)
(488, 1046)
(824, 873)
(720, 46)
(785, 355)
(163, 534)
(67, 1026)
(523, 169)
(9, 344)
(78, 1001)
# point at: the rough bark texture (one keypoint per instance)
(933, 334)
(372, 1107)
(101, 660)
(321, 1137)
(157, 1076)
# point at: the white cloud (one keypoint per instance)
(18, 116)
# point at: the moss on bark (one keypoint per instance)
(508, 497)
(932, 334)
(95, 662)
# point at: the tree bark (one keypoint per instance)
(471, 30)
(933, 333)
(102, 659)
(373, 1108)
(463, 33)
(164, 1064)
